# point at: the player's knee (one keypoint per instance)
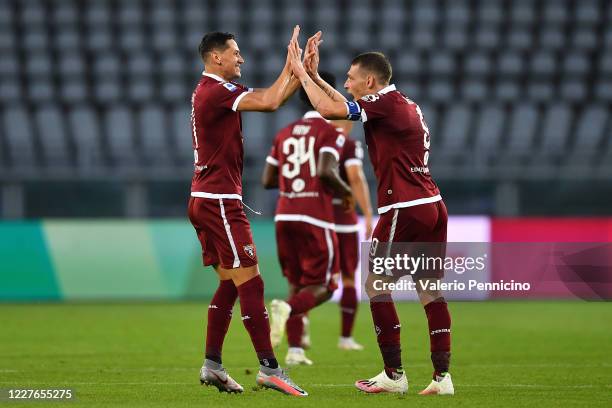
(348, 282)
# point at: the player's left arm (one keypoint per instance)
(361, 191)
(320, 100)
(269, 178)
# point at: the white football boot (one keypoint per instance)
(440, 386)
(349, 343)
(279, 314)
(296, 356)
(276, 379)
(219, 378)
(382, 383)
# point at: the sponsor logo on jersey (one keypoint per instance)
(298, 185)
(250, 250)
(231, 87)
(371, 98)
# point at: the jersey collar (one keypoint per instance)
(213, 76)
(387, 89)
(314, 115)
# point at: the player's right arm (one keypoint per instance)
(272, 98)
(320, 100)
(311, 64)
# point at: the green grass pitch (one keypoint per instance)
(148, 354)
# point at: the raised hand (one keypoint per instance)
(311, 56)
(294, 37)
(294, 55)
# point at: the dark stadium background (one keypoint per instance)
(102, 289)
(94, 98)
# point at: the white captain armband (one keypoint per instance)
(353, 111)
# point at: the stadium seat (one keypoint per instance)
(182, 138)
(590, 128)
(119, 126)
(154, 146)
(74, 91)
(40, 90)
(19, 137)
(474, 91)
(555, 129)
(455, 132)
(85, 127)
(510, 64)
(66, 39)
(477, 65)
(9, 65)
(522, 129)
(53, 137)
(10, 91)
(489, 129)
(552, 37)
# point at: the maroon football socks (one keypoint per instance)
(295, 328)
(387, 326)
(348, 307)
(255, 319)
(439, 321)
(219, 318)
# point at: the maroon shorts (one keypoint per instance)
(307, 254)
(223, 231)
(421, 224)
(348, 244)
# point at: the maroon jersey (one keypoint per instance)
(216, 129)
(398, 144)
(352, 155)
(295, 150)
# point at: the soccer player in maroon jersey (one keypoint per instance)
(216, 209)
(347, 228)
(303, 164)
(409, 202)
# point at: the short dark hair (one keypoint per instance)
(375, 62)
(327, 77)
(215, 40)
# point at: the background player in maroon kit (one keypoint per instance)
(409, 201)
(347, 229)
(216, 211)
(303, 164)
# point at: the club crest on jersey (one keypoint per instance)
(340, 140)
(230, 87)
(371, 98)
(249, 250)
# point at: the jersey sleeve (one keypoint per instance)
(370, 107)
(332, 141)
(353, 153)
(272, 158)
(229, 94)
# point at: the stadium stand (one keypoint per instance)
(93, 87)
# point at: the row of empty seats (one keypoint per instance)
(156, 137)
